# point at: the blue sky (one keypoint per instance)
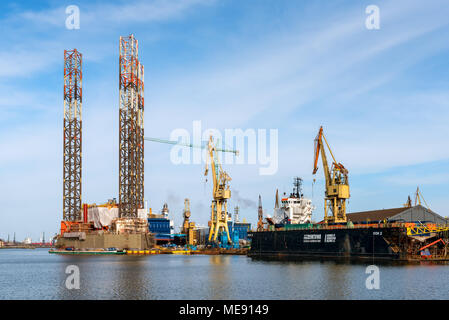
(381, 96)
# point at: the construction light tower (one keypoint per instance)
(73, 97)
(131, 131)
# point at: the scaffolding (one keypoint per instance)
(131, 132)
(73, 94)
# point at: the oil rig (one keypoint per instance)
(123, 225)
(119, 225)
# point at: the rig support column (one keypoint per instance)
(131, 131)
(73, 94)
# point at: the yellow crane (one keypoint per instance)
(220, 192)
(418, 197)
(337, 185)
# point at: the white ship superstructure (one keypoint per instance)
(295, 209)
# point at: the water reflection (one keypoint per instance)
(131, 283)
(218, 276)
(336, 281)
(38, 275)
(64, 293)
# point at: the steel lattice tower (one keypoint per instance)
(73, 94)
(131, 132)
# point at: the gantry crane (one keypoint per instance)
(220, 191)
(337, 185)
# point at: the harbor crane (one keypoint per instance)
(418, 197)
(337, 185)
(220, 192)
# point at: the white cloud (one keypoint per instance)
(410, 179)
(123, 12)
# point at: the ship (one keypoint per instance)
(295, 209)
(399, 234)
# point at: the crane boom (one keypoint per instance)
(190, 145)
(418, 197)
(320, 148)
(337, 186)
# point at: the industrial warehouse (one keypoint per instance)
(128, 226)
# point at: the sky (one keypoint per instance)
(293, 66)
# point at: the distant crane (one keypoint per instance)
(220, 191)
(408, 204)
(337, 185)
(260, 223)
(186, 216)
(418, 197)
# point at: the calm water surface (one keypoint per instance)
(35, 274)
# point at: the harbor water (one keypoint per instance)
(36, 274)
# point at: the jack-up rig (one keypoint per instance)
(81, 226)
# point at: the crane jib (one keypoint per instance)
(189, 145)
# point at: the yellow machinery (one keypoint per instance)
(111, 203)
(337, 186)
(220, 191)
(424, 229)
(188, 228)
(186, 215)
(220, 194)
(408, 204)
(418, 197)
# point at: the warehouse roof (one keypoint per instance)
(374, 215)
(414, 214)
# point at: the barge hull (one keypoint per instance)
(357, 243)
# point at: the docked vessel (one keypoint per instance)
(410, 233)
(326, 242)
(295, 209)
(407, 233)
(379, 242)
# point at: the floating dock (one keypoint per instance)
(371, 242)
